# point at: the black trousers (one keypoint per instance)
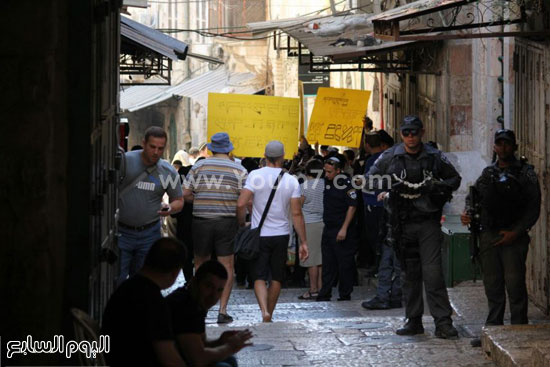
(338, 261)
(425, 269)
(373, 219)
(504, 271)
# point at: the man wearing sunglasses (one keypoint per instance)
(422, 180)
(509, 200)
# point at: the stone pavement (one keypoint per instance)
(308, 333)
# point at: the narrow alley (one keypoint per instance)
(308, 333)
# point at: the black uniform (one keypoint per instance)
(338, 257)
(509, 200)
(418, 208)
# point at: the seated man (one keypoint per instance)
(137, 317)
(189, 306)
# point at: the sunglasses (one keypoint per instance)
(412, 132)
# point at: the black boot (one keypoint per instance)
(446, 331)
(376, 304)
(475, 342)
(411, 327)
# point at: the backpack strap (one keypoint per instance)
(148, 171)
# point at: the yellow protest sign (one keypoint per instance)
(302, 117)
(252, 121)
(337, 117)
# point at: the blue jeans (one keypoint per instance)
(134, 246)
(228, 362)
(389, 276)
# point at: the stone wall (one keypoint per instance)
(161, 114)
(47, 114)
(459, 63)
(34, 167)
(486, 108)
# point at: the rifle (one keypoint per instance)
(393, 222)
(473, 212)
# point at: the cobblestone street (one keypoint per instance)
(306, 333)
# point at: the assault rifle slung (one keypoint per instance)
(473, 212)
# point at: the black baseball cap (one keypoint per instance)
(411, 122)
(505, 134)
(385, 137)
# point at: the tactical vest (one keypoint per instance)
(503, 197)
(413, 171)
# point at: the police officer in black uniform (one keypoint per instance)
(425, 179)
(338, 245)
(509, 200)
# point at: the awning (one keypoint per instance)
(148, 53)
(276, 24)
(342, 38)
(136, 34)
(217, 81)
(346, 39)
(455, 19)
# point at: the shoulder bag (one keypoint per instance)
(247, 240)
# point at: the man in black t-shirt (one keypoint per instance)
(189, 306)
(137, 318)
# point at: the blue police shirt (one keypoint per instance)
(369, 197)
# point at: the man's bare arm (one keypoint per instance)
(198, 353)
(299, 226)
(176, 205)
(342, 234)
(188, 195)
(245, 197)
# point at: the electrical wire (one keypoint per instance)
(171, 30)
(230, 35)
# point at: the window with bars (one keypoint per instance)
(201, 20)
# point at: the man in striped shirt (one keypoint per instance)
(213, 186)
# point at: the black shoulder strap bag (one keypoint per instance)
(247, 240)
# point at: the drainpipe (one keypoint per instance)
(381, 101)
(500, 119)
(188, 74)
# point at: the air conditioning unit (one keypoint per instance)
(216, 51)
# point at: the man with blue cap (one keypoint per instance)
(213, 186)
(422, 180)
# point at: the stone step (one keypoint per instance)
(517, 345)
(541, 355)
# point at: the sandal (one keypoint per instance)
(309, 295)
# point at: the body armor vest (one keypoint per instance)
(413, 177)
(503, 197)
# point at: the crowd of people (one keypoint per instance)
(378, 208)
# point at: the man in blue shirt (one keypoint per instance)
(147, 177)
(388, 293)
